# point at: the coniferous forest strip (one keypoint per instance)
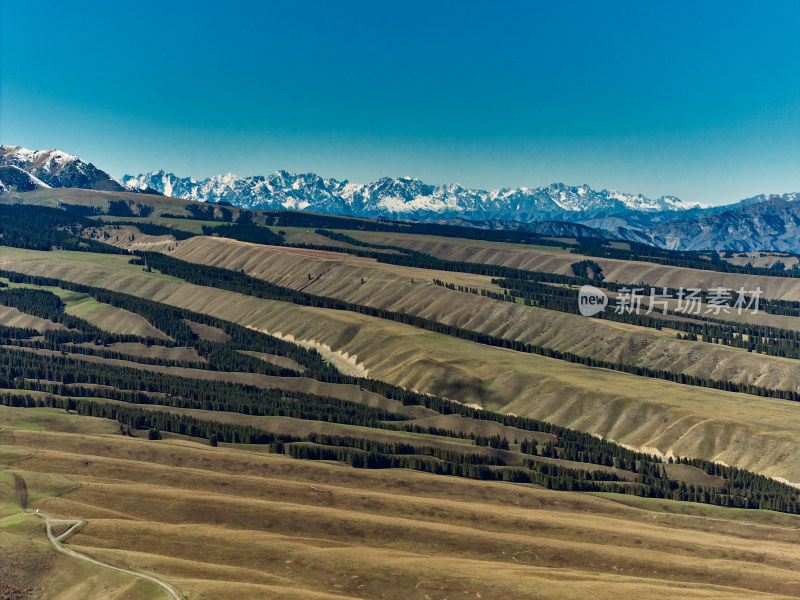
(412, 258)
(163, 315)
(739, 489)
(532, 286)
(707, 261)
(33, 373)
(241, 283)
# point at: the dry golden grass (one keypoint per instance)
(160, 204)
(221, 524)
(28, 562)
(29, 567)
(364, 281)
(759, 434)
(305, 235)
(762, 259)
(303, 427)
(207, 332)
(290, 263)
(558, 261)
(130, 238)
(274, 359)
(163, 352)
(693, 475)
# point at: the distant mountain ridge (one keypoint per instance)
(758, 223)
(763, 222)
(408, 197)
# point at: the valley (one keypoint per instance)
(406, 396)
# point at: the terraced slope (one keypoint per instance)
(757, 433)
(558, 261)
(406, 290)
(223, 523)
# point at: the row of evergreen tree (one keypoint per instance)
(309, 358)
(241, 283)
(704, 260)
(45, 228)
(428, 401)
(752, 337)
(20, 369)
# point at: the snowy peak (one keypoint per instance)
(44, 161)
(584, 198)
(405, 197)
(58, 169)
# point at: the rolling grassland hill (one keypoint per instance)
(380, 409)
(228, 522)
(361, 281)
(183, 511)
(630, 270)
(640, 411)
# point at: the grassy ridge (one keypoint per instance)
(640, 412)
(306, 521)
(182, 512)
(740, 488)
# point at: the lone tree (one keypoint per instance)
(153, 434)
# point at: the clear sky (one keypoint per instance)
(700, 100)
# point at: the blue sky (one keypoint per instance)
(700, 100)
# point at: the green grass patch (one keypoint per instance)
(190, 225)
(50, 419)
(45, 485)
(26, 425)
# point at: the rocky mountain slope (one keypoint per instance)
(768, 224)
(58, 169)
(15, 179)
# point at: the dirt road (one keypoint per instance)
(56, 542)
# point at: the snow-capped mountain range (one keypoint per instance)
(405, 197)
(758, 223)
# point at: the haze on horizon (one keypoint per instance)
(698, 101)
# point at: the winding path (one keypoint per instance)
(56, 542)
